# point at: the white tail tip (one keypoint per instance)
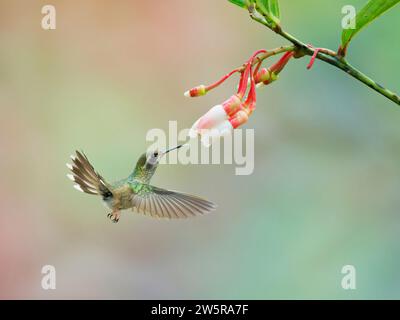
(71, 177)
(187, 94)
(73, 157)
(69, 166)
(77, 187)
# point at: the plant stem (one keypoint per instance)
(270, 53)
(327, 56)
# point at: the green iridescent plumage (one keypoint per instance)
(135, 192)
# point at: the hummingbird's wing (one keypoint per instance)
(163, 203)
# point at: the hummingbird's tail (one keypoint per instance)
(86, 178)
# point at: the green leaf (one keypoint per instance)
(274, 7)
(372, 10)
(240, 3)
(270, 9)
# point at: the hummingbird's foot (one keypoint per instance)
(114, 216)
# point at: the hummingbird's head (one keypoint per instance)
(148, 162)
(153, 157)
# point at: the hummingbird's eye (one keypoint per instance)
(155, 154)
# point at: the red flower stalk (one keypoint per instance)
(244, 79)
(248, 73)
(312, 60)
(277, 67)
(202, 89)
(257, 68)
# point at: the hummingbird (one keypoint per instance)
(135, 192)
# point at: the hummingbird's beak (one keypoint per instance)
(174, 148)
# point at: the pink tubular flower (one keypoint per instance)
(239, 118)
(216, 120)
(219, 113)
(223, 118)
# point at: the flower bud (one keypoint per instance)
(263, 75)
(272, 77)
(196, 91)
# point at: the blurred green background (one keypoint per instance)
(324, 193)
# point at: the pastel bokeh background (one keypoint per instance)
(324, 193)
